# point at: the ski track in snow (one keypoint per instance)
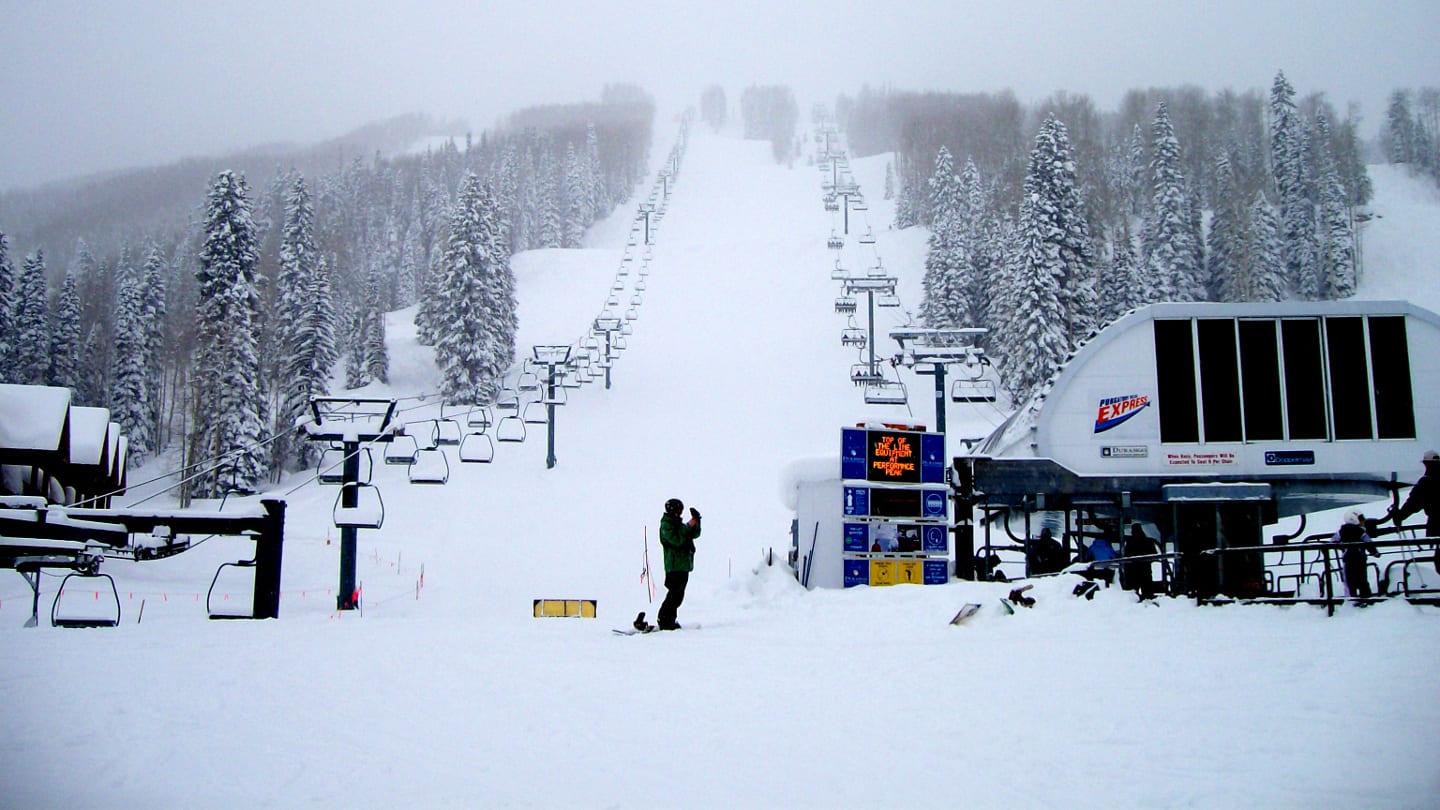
(859, 698)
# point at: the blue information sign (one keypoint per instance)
(932, 458)
(852, 454)
(857, 537)
(935, 572)
(857, 572)
(933, 539)
(932, 504)
(1289, 458)
(857, 501)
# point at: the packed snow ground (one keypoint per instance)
(452, 695)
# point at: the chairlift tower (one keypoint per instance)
(871, 286)
(608, 327)
(553, 357)
(352, 422)
(847, 191)
(646, 209)
(931, 350)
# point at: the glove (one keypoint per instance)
(694, 514)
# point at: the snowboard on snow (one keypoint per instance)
(965, 613)
(640, 627)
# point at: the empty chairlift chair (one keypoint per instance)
(885, 392)
(241, 581)
(430, 467)
(368, 511)
(976, 390)
(835, 242)
(867, 238)
(535, 413)
(477, 448)
(82, 607)
(480, 418)
(331, 467)
(509, 400)
(401, 450)
(845, 305)
(446, 433)
(510, 429)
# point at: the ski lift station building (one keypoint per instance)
(1207, 421)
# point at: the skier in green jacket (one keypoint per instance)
(678, 540)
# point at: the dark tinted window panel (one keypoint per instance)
(1175, 382)
(1219, 380)
(1260, 381)
(1349, 377)
(1304, 379)
(1390, 357)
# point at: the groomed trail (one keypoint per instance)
(452, 695)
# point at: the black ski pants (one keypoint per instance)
(675, 582)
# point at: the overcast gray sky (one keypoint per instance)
(103, 85)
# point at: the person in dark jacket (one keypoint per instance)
(1424, 496)
(1137, 576)
(1045, 555)
(1352, 557)
(678, 541)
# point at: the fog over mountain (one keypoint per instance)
(94, 87)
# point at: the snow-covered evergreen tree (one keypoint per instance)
(130, 395)
(65, 336)
(973, 225)
(600, 202)
(1265, 278)
(577, 200)
(1049, 293)
(153, 312)
(307, 342)
(1287, 161)
(905, 205)
(890, 180)
(1335, 246)
(1229, 237)
(8, 336)
(357, 365)
(1398, 135)
(229, 421)
(1168, 252)
(32, 325)
(476, 330)
(1060, 215)
(946, 280)
(1035, 342)
(377, 358)
(552, 218)
(1125, 283)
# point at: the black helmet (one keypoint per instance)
(673, 506)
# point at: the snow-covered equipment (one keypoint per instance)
(477, 448)
(358, 505)
(430, 467)
(401, 450)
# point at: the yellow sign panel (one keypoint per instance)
(882, 572)
(909, 572)
(565, 608)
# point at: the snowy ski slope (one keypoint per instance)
(451, 695)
